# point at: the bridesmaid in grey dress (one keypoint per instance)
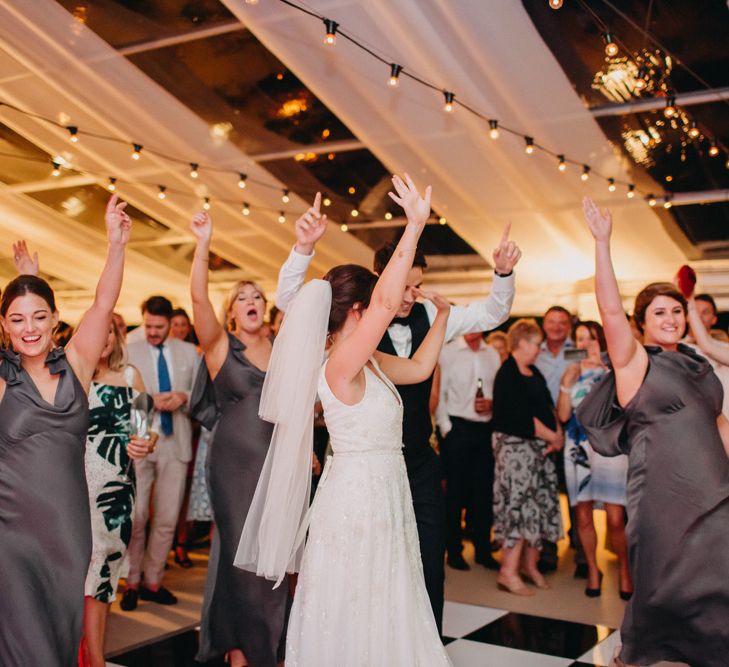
(661, 405)
(45, 527)
(242, 616)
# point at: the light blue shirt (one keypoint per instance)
(553, 367)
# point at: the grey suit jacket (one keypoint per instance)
(185, 361)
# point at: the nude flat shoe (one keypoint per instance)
(514, 586)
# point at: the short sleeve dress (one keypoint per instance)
(45, 529)
(678, 508)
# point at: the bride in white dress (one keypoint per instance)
(360, 598)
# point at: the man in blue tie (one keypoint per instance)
(168, 368)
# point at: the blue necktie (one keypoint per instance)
(163, 375)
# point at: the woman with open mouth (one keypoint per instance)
(45, 526)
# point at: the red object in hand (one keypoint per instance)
(686, 280)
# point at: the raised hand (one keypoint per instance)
(507, 254)
(118, 223)
(436, 299)
(417, 208)
(599, 222)
(310, 227)
(24, 263)
(202, 226)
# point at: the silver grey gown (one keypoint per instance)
(678, 508)
(45, 525)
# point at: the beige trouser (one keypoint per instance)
(167, 475)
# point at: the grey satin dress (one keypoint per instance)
(678, 508)
(240, 610)
(45, 525)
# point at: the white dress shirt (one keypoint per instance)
(460, 369)
(482, 315)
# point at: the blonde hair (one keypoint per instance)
(522, 329)
(226, 320)
(498, 335)
(118, 356)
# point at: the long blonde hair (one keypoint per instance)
(226, 320)
(118, 357)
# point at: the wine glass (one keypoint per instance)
(139, 422)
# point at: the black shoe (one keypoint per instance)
(626, 595)
(130, 600)
(489, 562)
(457, 562)
(160, 596)
(594, 592)
(545, 566)
(184, 560)
(581, 571)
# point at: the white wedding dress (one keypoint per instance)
(361, 598)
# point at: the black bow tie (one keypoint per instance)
(405, 321)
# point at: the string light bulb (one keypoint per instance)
(395, 70)
(137, 151)
(388, 216)
(344, 227)
(651, 201)
(694, 131)
(494, 131)
(111, 187)
(611, 48)
(670, 110)
(585, 172)
(73, 132)
(529, 145)
(331, 37)
(562, 165)
(354, 213)
(667, 201)
(281, 218)
(194, 173)
(56, 169)
(631, 191)
(246, 210)
(640, 82)
(611, 184)
(206, 203)
(442, 220)
(556, 4)
(162, 192)
(326, 201)
(285, 197)
(714, 149)
(242, 181)
(449, 97)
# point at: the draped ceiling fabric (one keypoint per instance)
(487, 52)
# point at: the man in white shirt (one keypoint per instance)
(403, 337)
(467, 370)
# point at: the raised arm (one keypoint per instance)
(711, 347)
(629, 359)
(210, 333)
(564, 402)
(85, 347)
(348, 358)
(25, 265)
(401, 370)
(309, 228)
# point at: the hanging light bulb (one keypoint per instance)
(246, 210)
(449, 97)
(611, 48)
(442, 221)
(556, 4)
(326, 201)
(111, 187)
(714, 149)
(395, 74)
(73, 132)
(285, 197)
(694, 131)
(562, 165)
(611, 184)
(354, 213)
(388, 216)
(640, 82)
(331, 38)
(667, 200)
(529, 145)
(494, 131)
(585, 172)
(194, 173)
(242, 181)
(631, 191)
(162, 194)
(56, 169)
(206, 203)
(281, 217)
(670, 110)
(651, 201)
(137, 151)
(344, 227)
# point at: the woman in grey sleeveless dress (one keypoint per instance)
(661, 405)
(45, 528)
(242, 617)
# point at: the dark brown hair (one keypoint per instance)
(383, 255)
(158, 305)
(27, 284)
(707, 298)
(351, 284)
(648, 294)
(596, 332)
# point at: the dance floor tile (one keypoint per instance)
(541, 635)
(466, 653)
(177, 651)
(603, 653)
(461, 619)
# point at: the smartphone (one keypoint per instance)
(573, 354)
(686, 280)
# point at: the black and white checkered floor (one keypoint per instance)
(474, 636)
